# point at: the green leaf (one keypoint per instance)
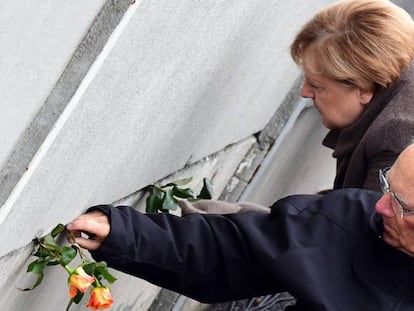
(38, 281)
(101, 265)
(49, 243)
(182, 193)
(169, 202)
(36, 267)
(100, 270)
(57, 230)
(153, 203)
(179, 182)
(89, 267)
(78, 297)
(41, 252)
(68, 253)
(207, 190)
(157, 192)
(105, 274)
(48, 240)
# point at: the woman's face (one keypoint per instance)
(339, 104)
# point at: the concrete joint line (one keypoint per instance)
(18, 172)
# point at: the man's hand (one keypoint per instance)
(94, 225)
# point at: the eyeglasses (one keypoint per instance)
(385, 187)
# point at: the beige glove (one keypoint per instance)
(219, 207)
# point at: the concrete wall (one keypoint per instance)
(101, 98)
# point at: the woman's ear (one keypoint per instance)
(365, 96)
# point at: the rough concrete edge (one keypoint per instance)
(273, 129)
(167, 300)
(265, 140)
(66, 86)
(136, 198)
(22, 254)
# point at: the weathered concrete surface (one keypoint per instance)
(129, 292)
(296, 164)
(175, 82)
(38, 38)
(151, 104)
(34, 116)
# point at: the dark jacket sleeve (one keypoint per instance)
(214, 258)
(210, 258)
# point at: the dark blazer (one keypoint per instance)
(376, 139)
(323, 249)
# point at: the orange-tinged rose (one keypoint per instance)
(79, 281)
(100, 298)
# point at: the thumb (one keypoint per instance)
(89, 244)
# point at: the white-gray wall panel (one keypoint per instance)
(176, 82)
(37, 39)
(129, 292)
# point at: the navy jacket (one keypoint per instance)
(324, 250)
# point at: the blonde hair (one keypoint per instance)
(364, 43)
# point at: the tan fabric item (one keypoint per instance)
(219, 207)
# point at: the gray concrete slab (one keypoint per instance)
(38, 38)
(151, 104)
(130, 293)
(297, 163)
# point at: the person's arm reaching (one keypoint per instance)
(203, 257)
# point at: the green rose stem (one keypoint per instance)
(49, 254)
(161, 199)
(68, 269)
